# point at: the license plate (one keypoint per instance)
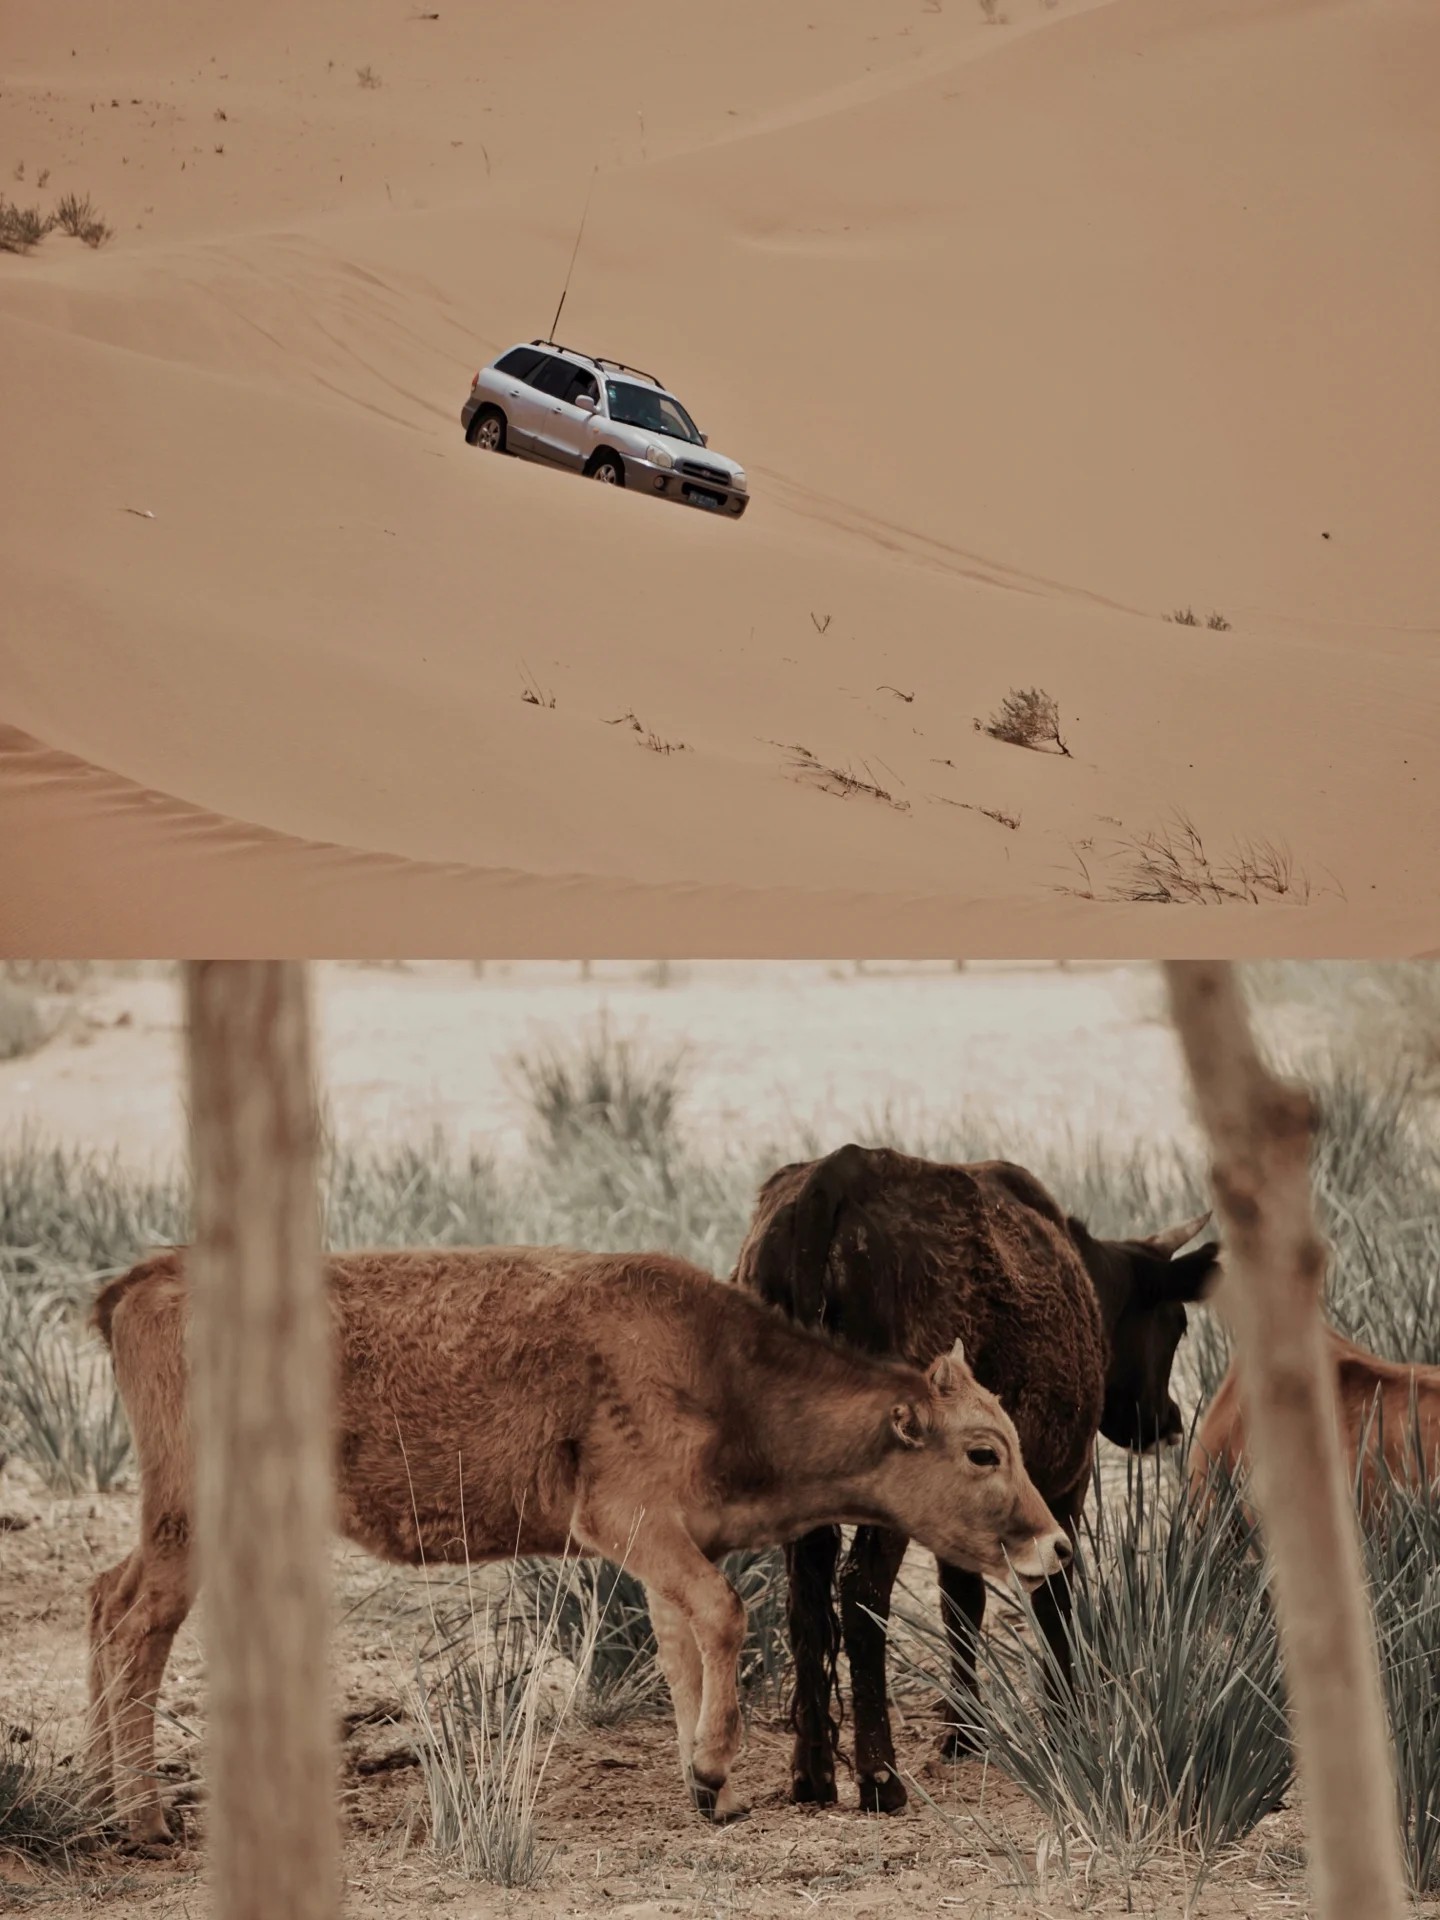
(710, 500)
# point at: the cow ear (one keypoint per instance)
(785, 1258)
(950, 1373)
(1193, 1276)
(908, 1424)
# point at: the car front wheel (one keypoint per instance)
(608, 469)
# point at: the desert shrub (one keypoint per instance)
(606, 1084)
(1026, 717)
(42, 1812)
(1403, 1557)
(77, 217)
(21, 228)
(603, 1627)
(486, 1726)
(1175, 1731)
(1171, 864)
(22, 1030)
(59, 1409)
(367, 77)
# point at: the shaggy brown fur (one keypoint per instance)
(1074, 1335)
(515, 1400)
(1392, 1407)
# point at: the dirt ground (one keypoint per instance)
(612, 1803)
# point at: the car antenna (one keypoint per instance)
(550, 338)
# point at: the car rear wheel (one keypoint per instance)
(487, 430)
(608, 469)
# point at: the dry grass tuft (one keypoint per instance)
(368, 78)
(841, 781)
(1027, 717)
(79, 219)
(532, 693)
(1171, 866)
(21, 228)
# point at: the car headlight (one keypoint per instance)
(739, 483)
(659, 457)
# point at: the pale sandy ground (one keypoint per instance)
(1029, 333)
(769, 1048)
(404, 1049)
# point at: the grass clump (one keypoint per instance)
(21, 228)
(1175, 1732)
(1026, 717)
(608, 1086)
(43, 1817)
(603, 1627)
(22, 1030)
(59, 1408)
(77, 217)
(1403, 1557)
(367, 78)
(1172, 866)
(486, 1727)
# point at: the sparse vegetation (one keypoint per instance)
(21, 228)
(1162, 1742)
(653, 743)
(1027, 717)
(22, 1030)
(78, 218)
(997, 814)
(368, 77)
(532, 693)
(1217, 623)
(1171, 865)
(1187, 617)
(841, 780)
(42, 1815)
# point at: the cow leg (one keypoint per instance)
(867, 1581)
(684, 1588)
(814, 1648)
(139, 1615)
(106, 1607)
(962, 1607)
(684, 1674)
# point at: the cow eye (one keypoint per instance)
(982, 1456)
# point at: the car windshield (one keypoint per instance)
(650, 410)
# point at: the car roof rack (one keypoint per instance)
(598, 360)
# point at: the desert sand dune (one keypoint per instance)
(1029, 334)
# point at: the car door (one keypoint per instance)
(515, 375)
(563, 432)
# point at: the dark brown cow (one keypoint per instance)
(519, 1400)
(1390, 1406)
(1074, 1335)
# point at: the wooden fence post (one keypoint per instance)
(1260, 1132)
(261, 1363)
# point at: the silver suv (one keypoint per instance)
(600, 418)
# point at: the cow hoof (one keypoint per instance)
(151, 1841)
(959, 1743)
(808, 1790)
(715, 1801)
(882, 1791)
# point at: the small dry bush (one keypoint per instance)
(78, 218)
(1026, 717)
(21, 228)
(43, 1816)
(367, 77)
(22, 1030)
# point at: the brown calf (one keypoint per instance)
(516, 1400)
(1385, 1404)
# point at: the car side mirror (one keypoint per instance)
(704, 439)
(586, 404)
